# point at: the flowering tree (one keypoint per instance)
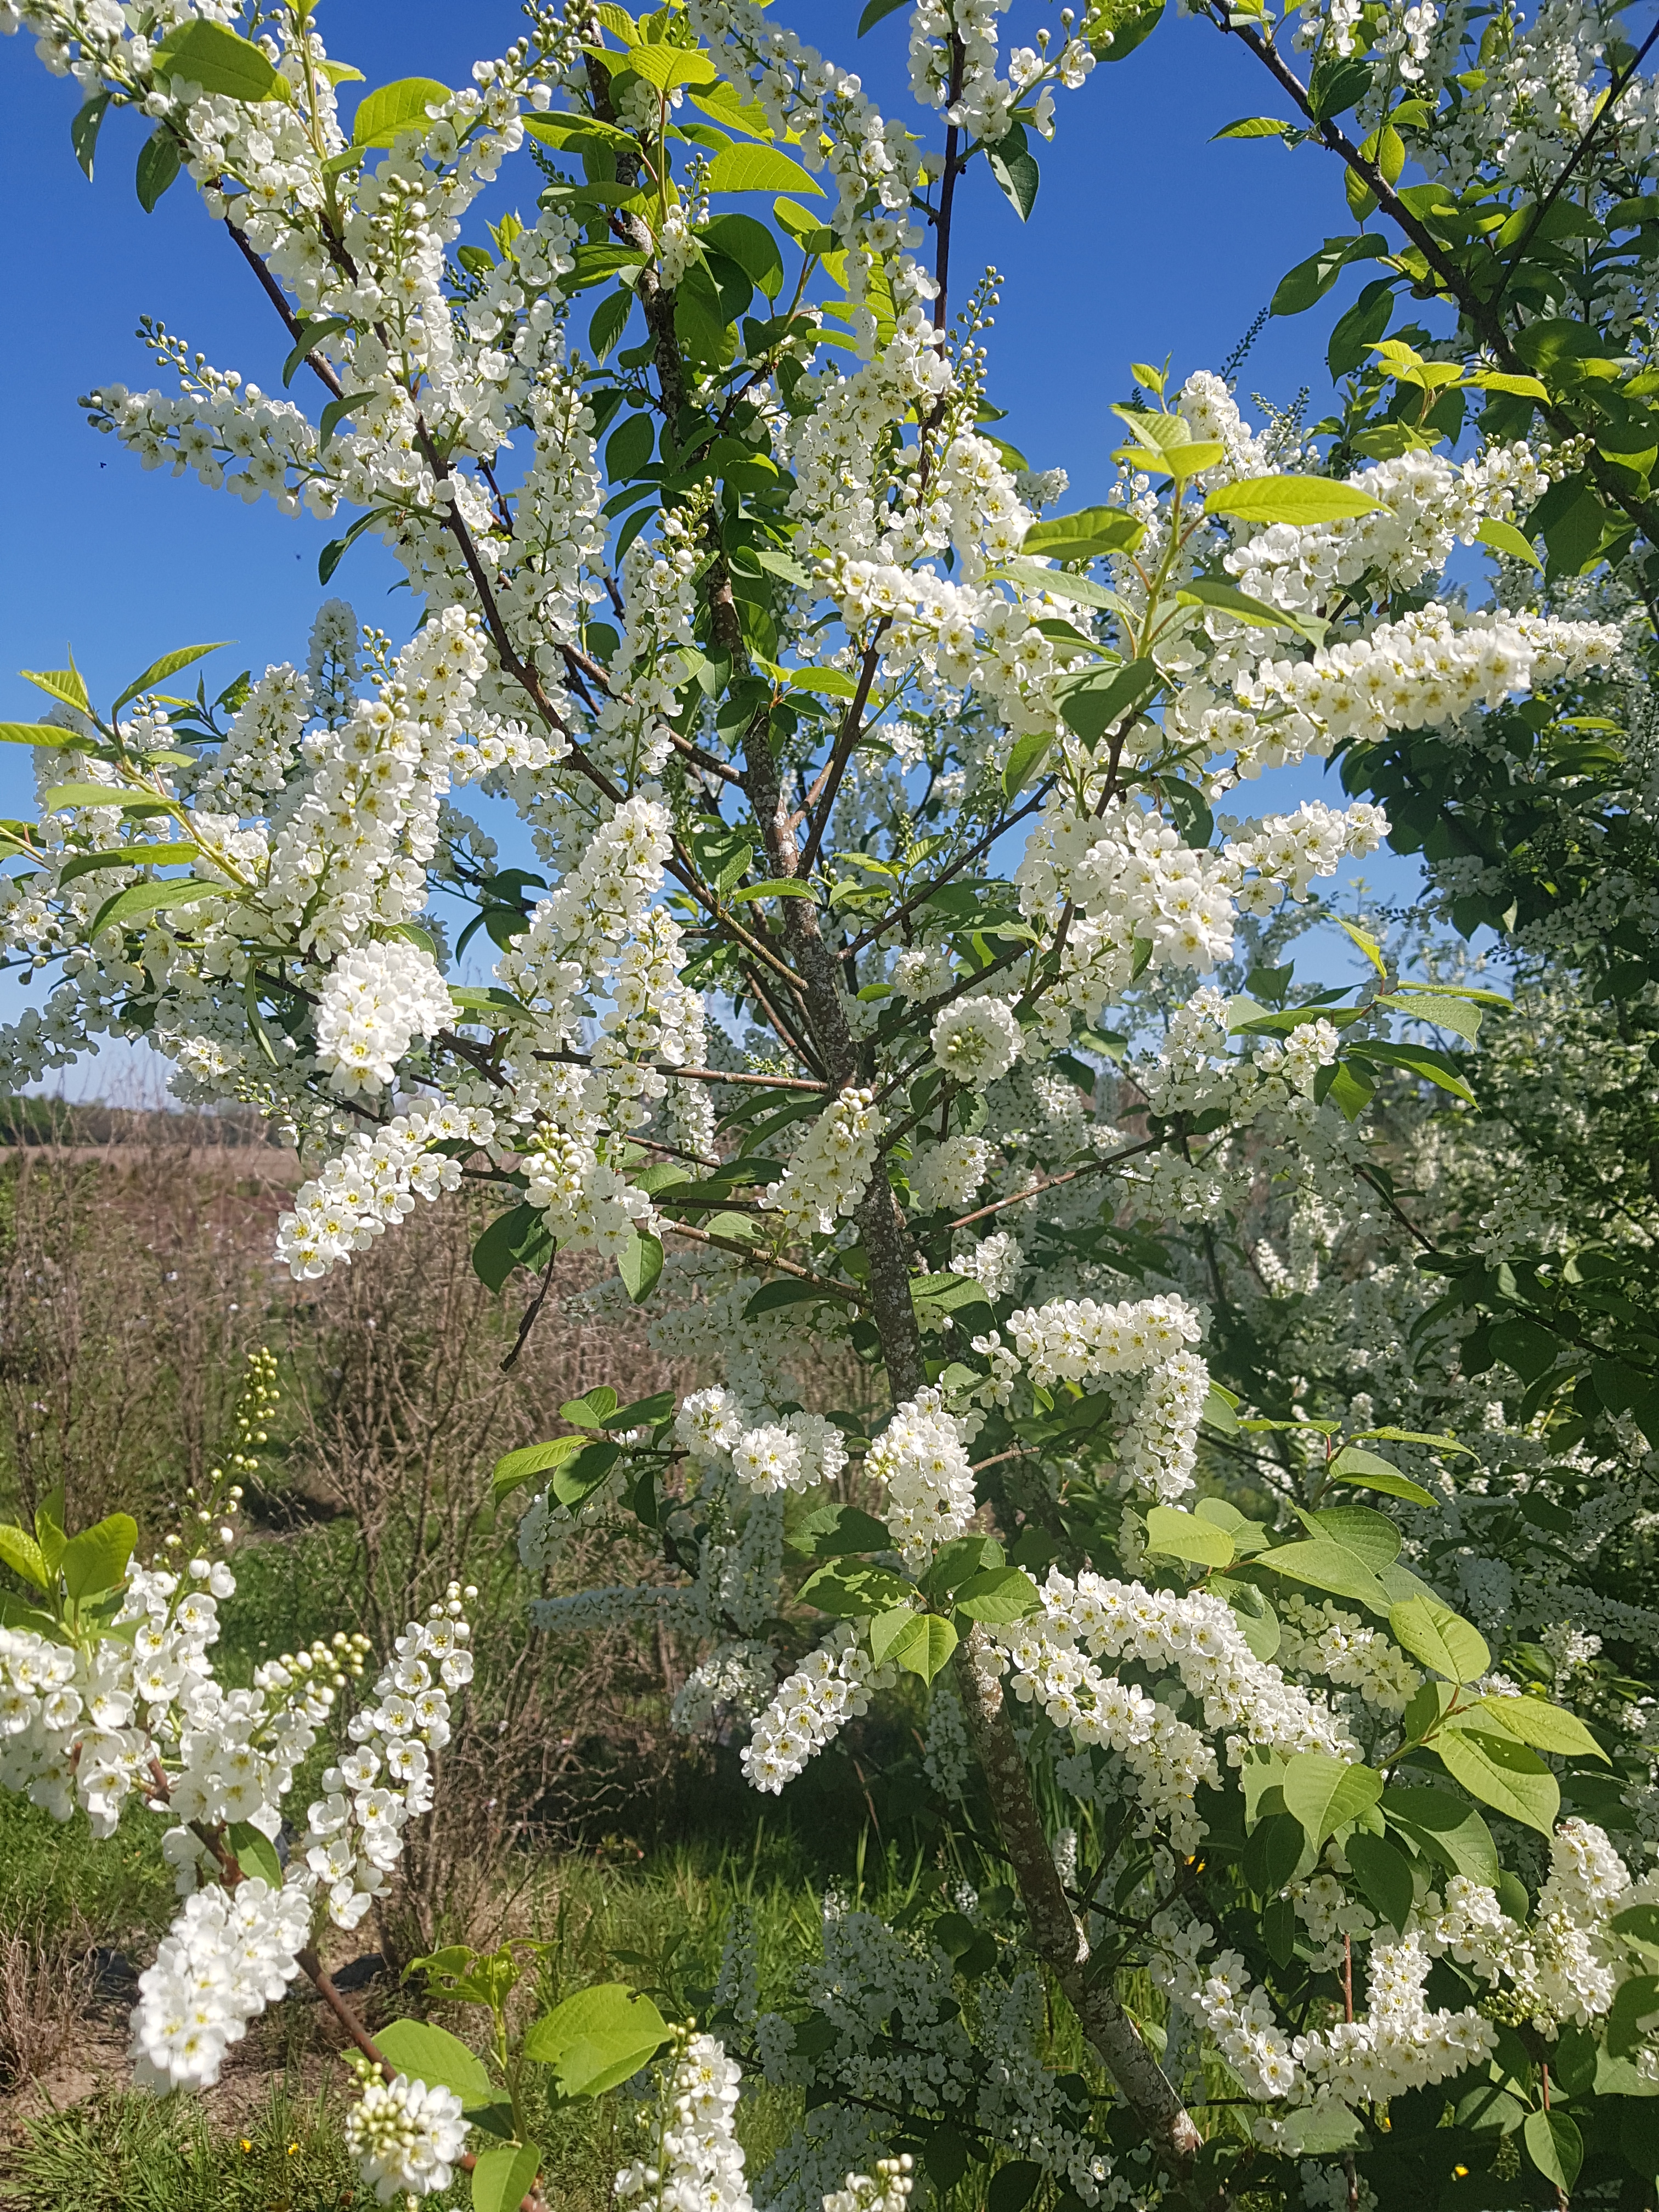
(861, 995)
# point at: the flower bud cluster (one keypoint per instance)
(405, 2136)
(354, 1834)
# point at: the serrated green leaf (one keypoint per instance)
(1304, 500)
(997, 1594)
(596, 2038)
(20, 1552)
(97, 1558)
(386, 113)
(1326, 1793)
(923, 1646)
(169, 665)
(760, 169)
(1554, 2146)
(1505, 537)
(217, 58)
(519, 1467)
(504, 2176)
(639, 1264)
(1544, 1726)
(255, 1852)
(1185, 1536)
(1501, 1773)
(432, 2055)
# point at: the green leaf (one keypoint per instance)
(518, 1236)
(640, 1265)
(1505, 537)
(255, 1852)
(433, 2055)
(1258, 1624)
(748, 243)
(996, 1594)
(1554, 2146)
(592, 1409)
(1091, 705)
(126, 856)
(97, 1558)
(1327, 1794)
(1450, 1832)
(759, 169)
(386, 113)
(1365, 1471)
(1419, 1059)
(1013, 2185)
(1256, 126)
(1131, 21)
(577, 1478)
(1416, 1436)
(1306, 500)
(158, 165)
(20, 1552)
(83, 129)
(875, 11)
(788, 1291)
(504, 2176)
(666, 68)
(1015, 168)
(1184, 1536)
(1025, 762)
(924, 1646)
(1328, 1565)
(1273, 1853)
(836, 1531)
(596, 2038)
(217, 59)
(1501, 1773)
(643, 1412)
(337, 548)
(1091, 531)
(1633, 2015)
(853, 1591)
(1436, 1636)
(886, 1629)
(169, 665)
(775, 887)
(518, 1467)
(608, 321)
(1544, 1726)
(1384, 1876)
(1318, 2130)
(38, 733)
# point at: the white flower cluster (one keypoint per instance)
(377, 999)
(1078, 1340)
(405, 2136)
(1397, 2043)
(1195, 1637)
(768, 1452)
(975, 1041)
(1324, 1639)
(1429, 503)
(927, 1478)
(228, 1954)
(354, 1834)
(829, 1168)
(375, 1182)
(736, 1678)
(949, 1174)
(699, 2160)
(1427, 669)
(829, 1688)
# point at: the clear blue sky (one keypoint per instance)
(1146, 239)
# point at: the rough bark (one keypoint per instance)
(1055, 1935)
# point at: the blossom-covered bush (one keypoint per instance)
(874, 969)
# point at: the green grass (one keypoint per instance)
(121, 2151)
(51, 1871)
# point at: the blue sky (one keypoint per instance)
(1146, 239)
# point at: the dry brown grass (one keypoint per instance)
(47, 1975)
